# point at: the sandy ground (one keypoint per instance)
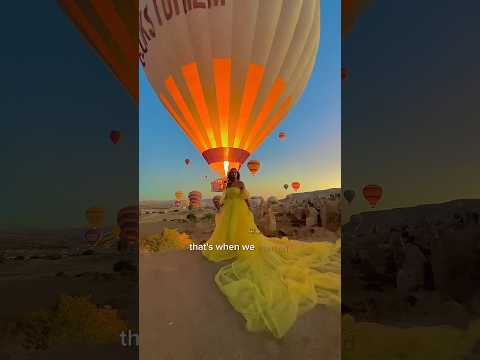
(184, 316)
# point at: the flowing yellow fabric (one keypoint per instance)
(279, 279)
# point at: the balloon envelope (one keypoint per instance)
(195, 198)
(115, 136)
(295, 185)
(218, 185)
(228, 71)
(179, 195)
(95, 217)
(282, 135)
(285, 186)
(187, 161)
(111, 27)
(373, 194)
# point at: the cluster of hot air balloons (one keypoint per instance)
(126, 228)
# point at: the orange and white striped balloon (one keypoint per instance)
(228, 71)
(111, 28)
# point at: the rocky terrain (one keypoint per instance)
(418, 265)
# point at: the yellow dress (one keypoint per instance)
(271, 280)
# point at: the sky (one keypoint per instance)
(410, 104)
(59, 102)
(310, 154)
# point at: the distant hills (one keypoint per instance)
(300, 196)
(412, 215)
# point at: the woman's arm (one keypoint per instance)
(243, 189)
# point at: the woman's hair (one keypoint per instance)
(229, 176)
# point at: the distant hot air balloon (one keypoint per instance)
(95, 217)
(282, 135)
(127, 220)
(195, 198)
(178, 203)
(227, 88)
(218, 185)
(179, 195)
(285, 186)
(187, 161)
(373, 194)
(295, 185)
(115, 136)
(93, 236)
(253, 166)
(111, 28)
(349, 195)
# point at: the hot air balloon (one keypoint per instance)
(93, 236)
(127, 220)
(253, 166)
(351, 10)
(285, 186)
(349, 195)
(218, 185)
(217, 201)
(95, 217)
(179, 195)
(195, 198)
(187, 161)
(228, 72)
(282, 135)
(373, 194)
(111, 28)
(115, 136)
(295, 185)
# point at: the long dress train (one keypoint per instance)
(277, 281)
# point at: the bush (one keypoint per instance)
(168, 239)
(75, 320)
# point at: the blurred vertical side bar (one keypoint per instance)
(411, 180)
(69, 216)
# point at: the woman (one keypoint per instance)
(271, 281)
